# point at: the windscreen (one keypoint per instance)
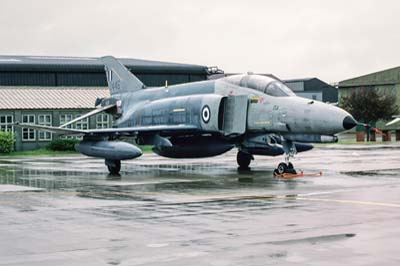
(265, 84)
(277, 88)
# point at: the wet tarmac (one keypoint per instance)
(66, 210)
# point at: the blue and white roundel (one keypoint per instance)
(206, 114)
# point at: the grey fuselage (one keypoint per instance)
(284, 114)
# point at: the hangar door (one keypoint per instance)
(235, 115)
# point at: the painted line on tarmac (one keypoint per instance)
(17, 188)
(249, 196)
(369, 203)
(295, 197)
(216, 197)
(328, 192)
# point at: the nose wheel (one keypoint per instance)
(287, 167)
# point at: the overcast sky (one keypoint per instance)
(332, 40)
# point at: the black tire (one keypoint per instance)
(115, 168)
(282, 168)
(290, 169)
(243, 159)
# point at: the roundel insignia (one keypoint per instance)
(205, 114)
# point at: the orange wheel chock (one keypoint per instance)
(300, 174)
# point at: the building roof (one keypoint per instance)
(223, 75)
(297, 80)
(384, 77)
(50, 97)
(91, 64)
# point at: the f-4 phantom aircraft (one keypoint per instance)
(257, 114)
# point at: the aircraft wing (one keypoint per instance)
(112, 131)
(144, 129)
(58, 130)
(397, 119)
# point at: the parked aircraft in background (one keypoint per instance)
(395, 120)
(258, 115)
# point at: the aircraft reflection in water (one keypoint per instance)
(257, 114)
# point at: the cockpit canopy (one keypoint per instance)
(264, 84)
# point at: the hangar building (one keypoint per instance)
(54, 90)
(386, 80)
(313, 88)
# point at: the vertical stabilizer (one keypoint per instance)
(119, 78)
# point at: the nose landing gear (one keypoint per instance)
(287, 167)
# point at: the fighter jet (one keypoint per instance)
(259, 115)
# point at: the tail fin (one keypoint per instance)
(119, 78)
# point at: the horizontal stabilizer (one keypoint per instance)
(95, 111)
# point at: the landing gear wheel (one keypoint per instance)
(243, 159)
(290, 169)
(114, 166)
(281, 169)
(284, 168)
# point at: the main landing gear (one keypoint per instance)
(286, 167)
(114, 166)
(243, 159)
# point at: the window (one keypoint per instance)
(6, 122)
(28, 134)
(102, 121)
(82, 124)
(44, 120)
(66, 118)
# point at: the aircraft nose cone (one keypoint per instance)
(349, 122)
